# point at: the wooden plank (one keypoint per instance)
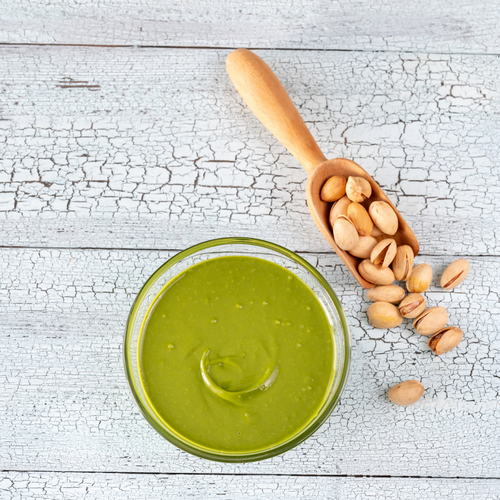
(69, 486)
(426, 26)
(65, 404)
(146, 148)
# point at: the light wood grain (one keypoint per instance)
(75, 486)
(125, 148)
(65, 404)
(425, 26)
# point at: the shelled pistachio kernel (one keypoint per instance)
(386, 293)
(455, 273)
(375, 274)
(384, 315)
(334, 188)
(402, 264)
(406, 393)
(384, 252)
(445, 339)
(431, 320)
(412, 305)
(420, 278)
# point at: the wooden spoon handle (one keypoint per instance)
(270, 103)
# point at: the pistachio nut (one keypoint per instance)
(406, 393)
(431, 320)
(384, 217)
(455, 273)
(445, 339)
(358, 189)
(384, 252)
(345, 233)
(377, 275)
(339, 208)
(360, 218)
(334, 188)
(403, 262)
(420, 278)
(384, 315)
(376, 232)
(364, 247)
(412, 305)
(386, 293)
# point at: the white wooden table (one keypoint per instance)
(122, 142)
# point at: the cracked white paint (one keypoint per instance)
(65, 404)
(54, 486)
(147, 148)
(426, 26)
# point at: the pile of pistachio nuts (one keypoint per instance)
(367, 235)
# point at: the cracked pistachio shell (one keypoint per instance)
(339, 208)
(345, 233)
(420, 278)
(364, 247)
(431, 320)
(445, 339)
(455, 273)
(375, 274)
(358, 189)
(412, 305)
(403, 262)
(334, 188)
(384, 217)
(406, 393)
(384, 315)
(386, 293)
(360, 218)
(384, 252)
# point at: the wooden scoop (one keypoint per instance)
(270, 103)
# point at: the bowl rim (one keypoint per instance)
(235, 457)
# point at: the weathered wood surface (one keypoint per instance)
(150, 148)
(425, 26)
(65, 404)
(57, 486)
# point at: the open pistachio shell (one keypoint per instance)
(431, 320)
(455, 273)
(445, 339)
(358, 189)
(412, 305)
(402, 264)
(384, 252)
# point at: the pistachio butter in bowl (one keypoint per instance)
(236, 350)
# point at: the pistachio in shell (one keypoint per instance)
(377, 275)
(376, 232)
(455, 273)
(384, 315)
(420, 279)
(384, 252)
(364, 247)
(358, 189)
(334, 188)
(445, 339)
(412, 305)
(406, 393)
(345, 233)
(360, 218)
(431, 320)
(403, 262)
(384, 217)
(339, 208)
(386, 293)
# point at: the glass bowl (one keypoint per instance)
(243, 247)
